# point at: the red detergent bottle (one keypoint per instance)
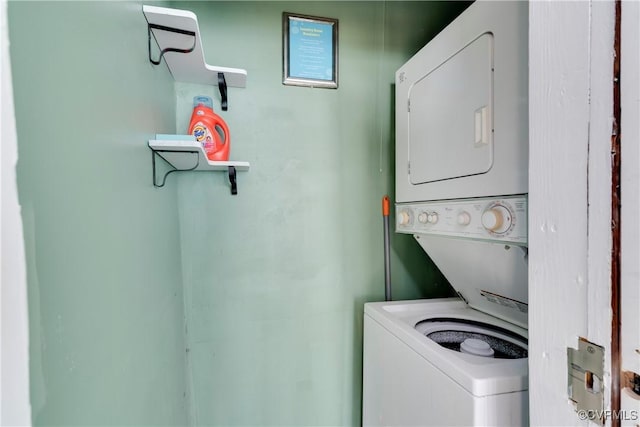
(210, 129)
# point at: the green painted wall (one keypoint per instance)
(271, 282)
(276, 277)
(102, 245)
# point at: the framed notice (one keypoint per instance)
(310, 51)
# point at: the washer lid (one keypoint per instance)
(490, 277)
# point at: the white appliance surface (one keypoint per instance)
(470, 267)
(461, 190)
(491, 219)
(462, 108)
(480, 247)
(410, 380)
(430, 118)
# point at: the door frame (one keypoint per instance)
(15, 407)
(570, 124)
(630, 188)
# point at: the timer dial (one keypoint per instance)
(497, 219)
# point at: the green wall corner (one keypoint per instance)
(102, 245)
(185, 305)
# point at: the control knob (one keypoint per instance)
(404, 217)
(464, 218)
(497, 219)
(428, 217)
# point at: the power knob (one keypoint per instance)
(423, 218)
(497, 219)
(404, 218)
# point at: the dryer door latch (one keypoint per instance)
(585, 380)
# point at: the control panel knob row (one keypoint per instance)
(428, 217)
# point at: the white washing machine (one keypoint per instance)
(459, 361)
(461, 191)
(411, 379)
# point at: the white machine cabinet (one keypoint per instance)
(462, 108)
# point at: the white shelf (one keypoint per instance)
(185, 155)
(188, 155)
(187, 67)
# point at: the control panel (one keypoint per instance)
(501, 219)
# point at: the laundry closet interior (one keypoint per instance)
(168, 300)
(185, 304)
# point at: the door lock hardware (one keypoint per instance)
(585, 368)
(631, 381)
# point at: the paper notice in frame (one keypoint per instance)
(310, 51)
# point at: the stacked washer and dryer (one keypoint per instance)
(461, 191)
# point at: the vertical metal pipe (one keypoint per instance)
(387, 254)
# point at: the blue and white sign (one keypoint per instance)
(310, 51)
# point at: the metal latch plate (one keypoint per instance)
(585, 380)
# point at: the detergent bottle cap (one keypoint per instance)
(203, 100)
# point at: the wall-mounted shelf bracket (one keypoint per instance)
(222, 86)
(178, 36)
(232, 180)
(156, 27)
(184, 154)
(159, 153)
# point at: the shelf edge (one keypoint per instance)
(172, 148)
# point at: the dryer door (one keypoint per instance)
(450, 116)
